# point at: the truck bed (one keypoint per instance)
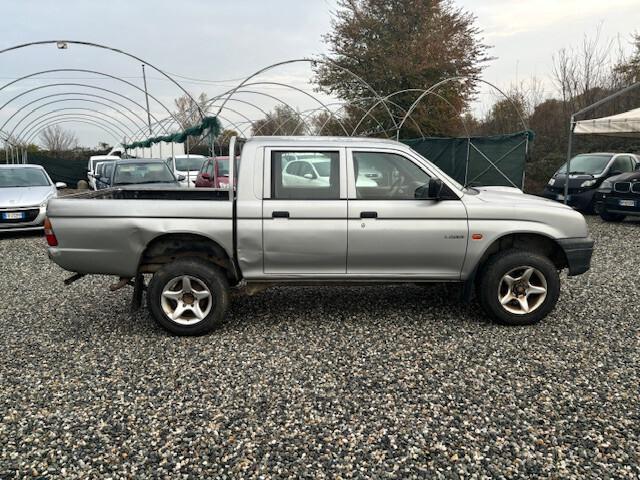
(149, 193)
(106, 231)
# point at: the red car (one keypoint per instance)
(214, 173)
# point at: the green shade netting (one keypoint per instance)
(480, 161)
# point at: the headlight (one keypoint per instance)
(46, 200)
(606, 186)
(589, 183)
(552, 182)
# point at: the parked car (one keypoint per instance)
(619, 196)
(91, 167)
(25, 191)
(588, 171)
(187, 166)
(103, 171)
(141, 171)
(419, 225)
(214, 173)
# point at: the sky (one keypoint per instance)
(216, 44)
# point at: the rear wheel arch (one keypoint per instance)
(169, 247)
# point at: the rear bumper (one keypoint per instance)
(578, 252)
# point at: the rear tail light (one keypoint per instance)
(48, 233)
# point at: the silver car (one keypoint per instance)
(25, 191)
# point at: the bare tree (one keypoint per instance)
(188, 113)
(582, 73)
(57, 139)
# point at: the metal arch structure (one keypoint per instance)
(51, 85)
(406, 116)
(93, 102)
(90, 95)
(112, 49)
(458, 79)
(312, 62)
(32, 135)
(42, 119)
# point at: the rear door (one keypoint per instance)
(304, 216)
(393, 234)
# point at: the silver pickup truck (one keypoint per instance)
(321, 210)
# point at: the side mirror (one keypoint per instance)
(181, 178)
(309, 176)
(61, 185)
(206, 176)
(430, 191)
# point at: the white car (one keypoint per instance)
(25, 191)
(187, 166)
(91, 167)
(315, 172)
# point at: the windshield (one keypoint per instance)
(189, 164)
(136, 173)
(588, 164)
(23, 177)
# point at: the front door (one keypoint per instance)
(393, 234)
(304, 212)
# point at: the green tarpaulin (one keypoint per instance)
(493, 160)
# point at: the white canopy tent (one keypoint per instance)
(625, 124)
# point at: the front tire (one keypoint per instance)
(188, 297)
(518, 288)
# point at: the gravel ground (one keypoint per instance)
(385, 382)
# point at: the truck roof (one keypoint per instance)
(309, 140)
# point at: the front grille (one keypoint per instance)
(635, 187)
(29, 215)
(622, 187)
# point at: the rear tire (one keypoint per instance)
(188, 297)
(518, 288)
(611, 217)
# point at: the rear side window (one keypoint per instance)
(305, 175)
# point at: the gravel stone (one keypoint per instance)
(383, 382)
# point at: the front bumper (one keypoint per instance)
(611, 203)
(36, 223)
(578, 252)
(579, 201)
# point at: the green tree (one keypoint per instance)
(404, 44)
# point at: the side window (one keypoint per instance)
(386, 176)
(630, 165)
(317, 177)
(621, 164)
(209, 168)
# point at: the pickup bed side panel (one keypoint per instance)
(109, 236)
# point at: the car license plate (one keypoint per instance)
(12, 215)
(627, 203)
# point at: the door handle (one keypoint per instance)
(368, 214)
(279, 214)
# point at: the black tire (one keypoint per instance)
(611, 217)
(490, 280)
(201, 271)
